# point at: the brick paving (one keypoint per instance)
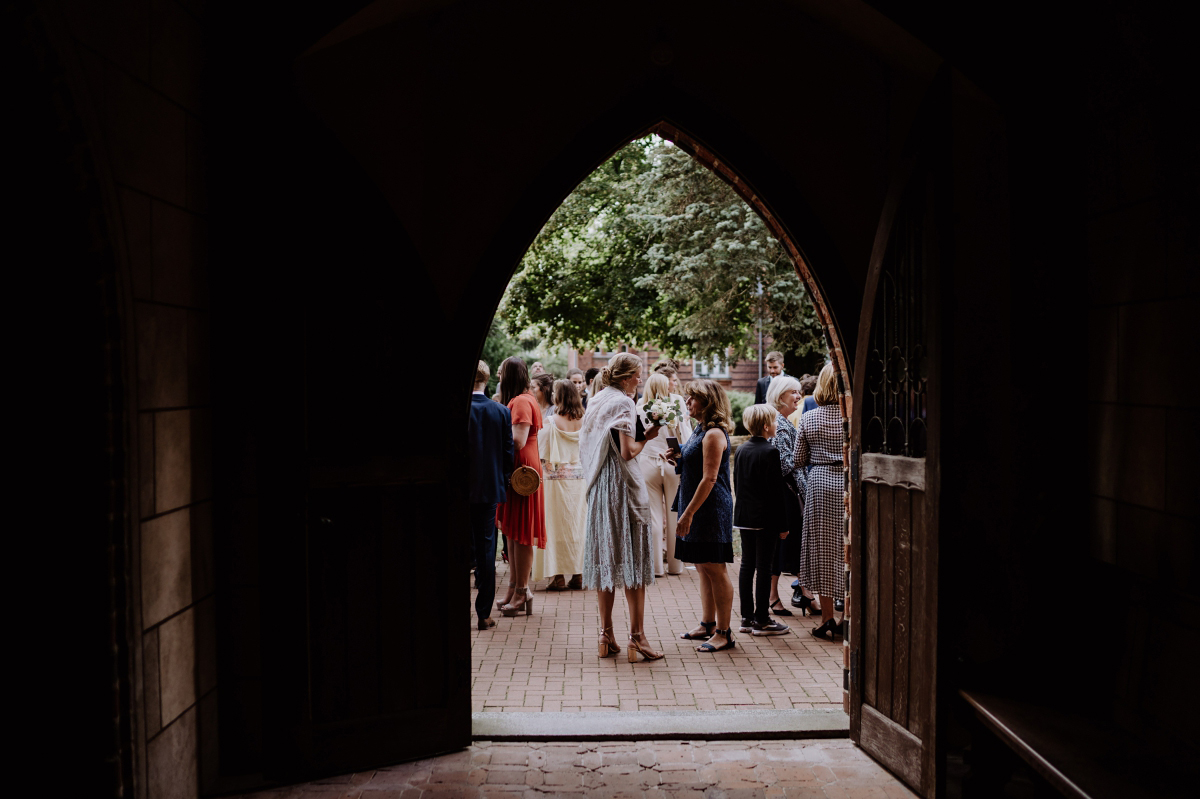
(547, 661)
(666, 769)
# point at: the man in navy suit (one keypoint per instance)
(774, 363)
(491, 462)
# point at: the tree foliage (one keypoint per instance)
(654, 248)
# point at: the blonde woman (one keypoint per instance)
(619, 550)
(705, 506)
(670, 369)
(564, 489)
(819, 446)
(660, 477)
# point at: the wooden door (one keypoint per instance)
(894, 475)
(366, 642)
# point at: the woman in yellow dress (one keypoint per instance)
(565, 492)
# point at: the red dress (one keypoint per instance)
(523, 519)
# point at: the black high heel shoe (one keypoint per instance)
(828, 631)
(801, 603)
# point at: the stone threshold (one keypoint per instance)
(650, 725)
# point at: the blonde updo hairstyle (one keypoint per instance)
(826, 393)
(623, 366)
(657, 386)
(780, 386)
(714, 404)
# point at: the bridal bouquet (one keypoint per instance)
(663, 411)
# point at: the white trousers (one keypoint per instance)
(661, 484)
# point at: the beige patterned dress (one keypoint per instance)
(565, 502)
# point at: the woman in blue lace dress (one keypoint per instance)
(705, 507)
(619, 551)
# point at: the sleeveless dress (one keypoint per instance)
(523, 519)
(710, 539)
(619, 548)
(565, 504)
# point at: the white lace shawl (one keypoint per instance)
(611, 409)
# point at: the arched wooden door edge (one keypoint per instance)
(894, 475)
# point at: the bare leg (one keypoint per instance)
(606, 599)
(522, 564)
(636, 599)
(815, 607)
(826, 608)
(720, 597)
(508, 595)
(708, 608)
(521, 556)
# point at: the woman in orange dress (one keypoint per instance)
(523, 519)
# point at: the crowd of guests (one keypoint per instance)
(623, 497)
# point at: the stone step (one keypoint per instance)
(643, 725)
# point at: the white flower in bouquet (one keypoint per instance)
(663, 411)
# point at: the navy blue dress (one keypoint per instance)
(710, 539)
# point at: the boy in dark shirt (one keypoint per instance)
(760, 517)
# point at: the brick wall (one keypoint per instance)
(743, 375)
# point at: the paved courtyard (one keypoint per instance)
(547, 661)
(652, 770)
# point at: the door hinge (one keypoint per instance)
(855, 657)
(854, 465)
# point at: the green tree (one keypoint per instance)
(653, 247)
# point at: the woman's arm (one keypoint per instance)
(712, 447)
(520, 435)
(630, 448)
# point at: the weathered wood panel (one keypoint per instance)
(922, 620)
(903, 590)
(894, 470)
(897, 748)
(867, 619)
(887, 595)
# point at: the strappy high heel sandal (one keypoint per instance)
(704, 636)
(500, 603)
(729, 642)
(606, 646)
(829, 631)
(527, 606)
(635, 648)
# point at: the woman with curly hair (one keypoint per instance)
(705, 506)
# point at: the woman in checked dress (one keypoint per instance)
(819, 446)
(619, 549)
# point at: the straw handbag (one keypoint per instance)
(525, 480)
